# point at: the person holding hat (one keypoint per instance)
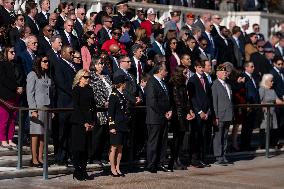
(118, 124)
(223, 108)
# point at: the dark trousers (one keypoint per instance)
(97, 142)
(251, 121)
(176, 145)
(63, 152)
(80, 161)
(156, 152)
(197, 135)
(220, 139)
(280, 121)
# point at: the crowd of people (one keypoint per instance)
(187, 77)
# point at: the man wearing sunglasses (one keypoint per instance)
(44, 44)
(78, 26)
(7, 12)
(14, 33)
(104, 34)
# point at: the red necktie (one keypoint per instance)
(139, 70)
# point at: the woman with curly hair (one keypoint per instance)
(38, 96)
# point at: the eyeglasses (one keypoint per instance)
(83, 14)
(174, 42)
(204, 44)
(256, 28)
(218, 18)
(44, 61)
(71, 52)
(49, 30)
(21, 19)
(86, 77)
(279, 64)
(11, 3)
(93, 37)
(110, 21)
(79, 57)
(35, 43)
(12, 52)
(128, 61)
(114, 33)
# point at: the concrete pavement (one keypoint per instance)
(253, 173)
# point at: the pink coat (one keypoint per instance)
(86, 57)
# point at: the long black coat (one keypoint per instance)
(84, 112)
(181, 107)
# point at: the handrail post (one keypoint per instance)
(20, 142)
(267, 132)
(47, 121)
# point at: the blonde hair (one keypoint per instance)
(140, 33)
(78, 76)
(87, 24)
(264, 80)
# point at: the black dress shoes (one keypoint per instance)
(204, 164)
(197, 164)
(113, 175)
(152, 170)
(164, 168)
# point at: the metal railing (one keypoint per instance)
(48, 122)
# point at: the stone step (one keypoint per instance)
(10, 172)
(14, 151)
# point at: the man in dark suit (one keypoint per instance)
(238, 48)
(252, 97)
(279, 50)
(31, 11)
(254, 5)
(43, 17)
(79, 24)
(158, 113)
(64, 75)
(53, 53)
(261, 63)
(200, 94)
(104, 34)
(224, 47)
(20, 44)
(44, 44)
(157, 46)
(278, 86)
(137, 66)
(27, 57)
(210, 48)
(223, 110)
(114, 56)
(7, 12)
(68, 39)
(14, 33)
(216, 21)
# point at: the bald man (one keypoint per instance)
(114, 56)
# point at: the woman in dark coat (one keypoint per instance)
(118, 124)
(83, 120)
(182, 113)
(11, 87)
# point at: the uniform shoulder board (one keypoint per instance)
(113, 93)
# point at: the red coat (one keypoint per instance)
(147, 25)
(109, 42)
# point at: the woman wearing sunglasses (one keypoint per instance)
(83, 120)
(38, 96)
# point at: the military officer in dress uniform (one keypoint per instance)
(172, 23)
(120, 18)
(118, 124)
